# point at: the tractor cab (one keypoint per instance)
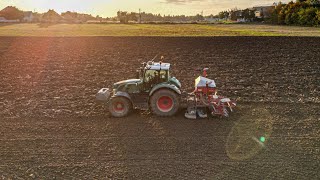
(154, 74)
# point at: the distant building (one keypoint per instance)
(211, 19)
(237, 15)
(27, 16)
(246, 15)
(263, 11)
(4, 20)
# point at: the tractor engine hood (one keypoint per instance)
(117, 84)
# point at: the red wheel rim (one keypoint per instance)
(118, 106)
(165, 103)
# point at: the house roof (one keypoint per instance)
(263, 6)
(27, 13)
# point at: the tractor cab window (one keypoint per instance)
(155, 76)
(139, 73)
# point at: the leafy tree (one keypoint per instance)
(302, 12)
(315, 3)
(51, 16)
(311, 16)
(276, 16)
(318, 17)
(133, 16)
(12, 13)
(233, 15)
(69, 16)
(223, 15)
(248, 14)
(122, 16)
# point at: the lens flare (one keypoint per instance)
(249, 135)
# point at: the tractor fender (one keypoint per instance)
(122, 94)
(165, 86)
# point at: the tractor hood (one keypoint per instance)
(117, 84)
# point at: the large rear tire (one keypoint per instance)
(119, 107)
(164, 103)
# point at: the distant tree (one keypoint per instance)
(98, 18)
(299, 13)
(315, 3)
(85, 17)
(51, 16)
(309, 17)
(318, 16)
(248, 14)
(11, 13)
(133, 16)
(223, 15)
(36, 17)
(276, 15)
(198, 17)
(69, 16)
(233, 16)
(122, 17)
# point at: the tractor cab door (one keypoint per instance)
(138, 97)
(154, 77)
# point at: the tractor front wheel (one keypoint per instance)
(164, 103)
(119, 107)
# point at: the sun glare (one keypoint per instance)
(96, 7)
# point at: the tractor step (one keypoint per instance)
(142, 106)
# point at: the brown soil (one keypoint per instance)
(51, 126)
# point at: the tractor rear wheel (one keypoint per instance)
(119, 107)
(164, 102)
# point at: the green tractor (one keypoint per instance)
(153, 89)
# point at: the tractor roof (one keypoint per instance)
(156, 66)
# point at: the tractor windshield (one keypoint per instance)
(156, 76)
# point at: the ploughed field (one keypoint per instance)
(51, 125)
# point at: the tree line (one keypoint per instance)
(234, 14)
(301, 12)
(125, 17)
(13, 13)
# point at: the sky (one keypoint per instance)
(109, 8)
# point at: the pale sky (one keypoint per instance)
(108, 8)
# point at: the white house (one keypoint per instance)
(211, 19)
(28, 16)
(263, 11)
(4, 20)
